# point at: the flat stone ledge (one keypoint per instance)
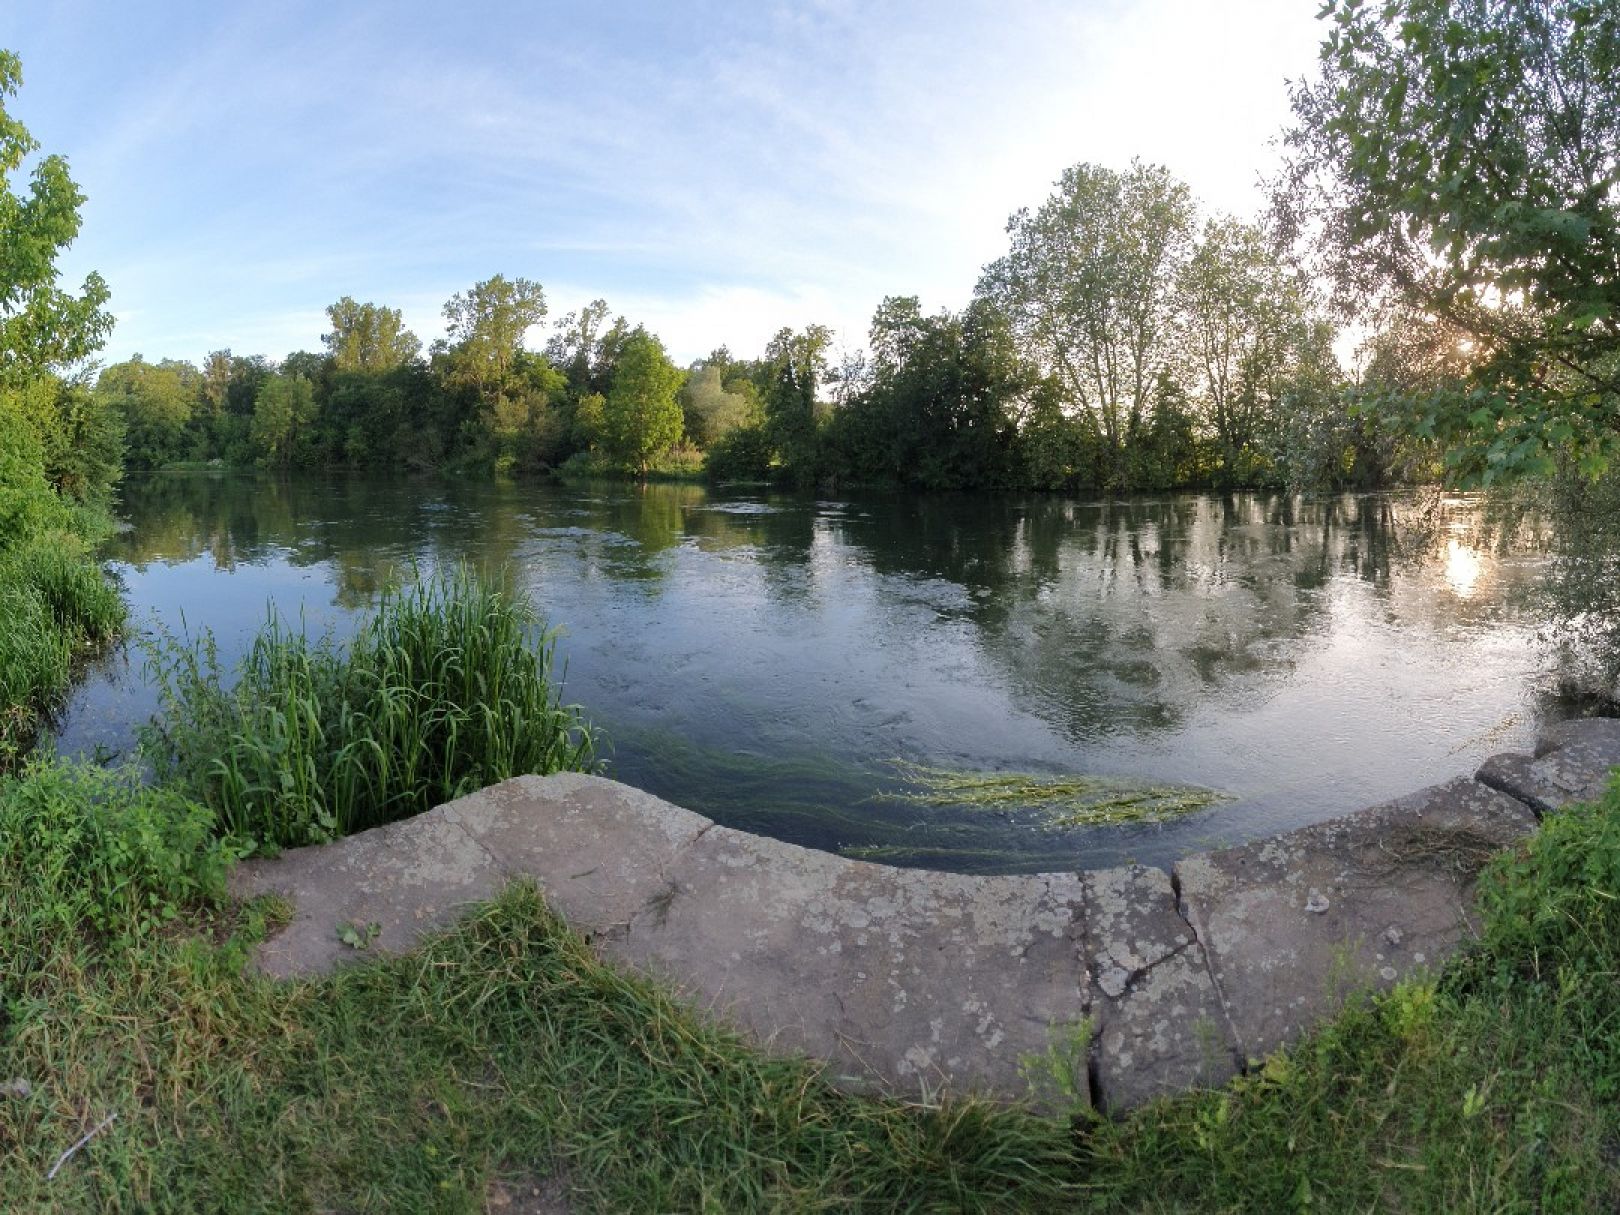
(1571, 763)
(1293, 924)
(918, 981)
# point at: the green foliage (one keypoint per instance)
(156, 403)
(368, 338)
(446, 688)
(1456, 162)
(743, 455)
(641, 418)
(792, 372)
(712, 409)
(83, 848)
(940, 408)
(57, 607)
(42, 327)
(282, 413)
(1089, 284)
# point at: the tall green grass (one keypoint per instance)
(445, 688)
(55, 607)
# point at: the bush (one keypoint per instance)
(744, 454)
(83, 847)
(446, 688)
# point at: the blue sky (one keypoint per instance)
(715, 170)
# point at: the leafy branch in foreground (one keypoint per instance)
(446, 688)
(1068, 800)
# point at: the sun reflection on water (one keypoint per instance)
(1464, 565)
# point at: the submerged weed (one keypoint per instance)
(1071, 800)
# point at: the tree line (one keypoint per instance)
(1120, 344)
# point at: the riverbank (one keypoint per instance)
(502, 1063)
(503, 1058)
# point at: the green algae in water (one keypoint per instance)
(1065, 800)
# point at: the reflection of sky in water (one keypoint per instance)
(763, 660)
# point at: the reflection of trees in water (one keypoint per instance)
(1119, 616)
(1576, 522)
(1104, 616)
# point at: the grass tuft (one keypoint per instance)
(446, 688)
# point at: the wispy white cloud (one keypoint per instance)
(715, 170)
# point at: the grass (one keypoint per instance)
(1071, 800)
(447, 687)
(56, 608)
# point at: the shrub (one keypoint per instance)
(446, 688)
(83, 847)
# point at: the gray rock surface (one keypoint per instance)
(917, 980)
(1159, 1023)
(921, 981)
(1572, 762)
(1294, 923)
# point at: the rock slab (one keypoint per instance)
(1571, 763)
(1294, 923)
(1133, 982)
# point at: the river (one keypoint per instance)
(765, 659)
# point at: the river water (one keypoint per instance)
(765, 659)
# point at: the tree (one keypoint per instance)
(712, 410)
(1457, 159)
(156, 402)
(793, 368)
(642, 417)
(1089, 284)
(52, 436)
(1249, 330)
(368, 337)
(283, 409)
(937, 404)
(42, 327)
(487, 325)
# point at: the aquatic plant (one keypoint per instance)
(445, 688)
(55, 604)
(1061, 800)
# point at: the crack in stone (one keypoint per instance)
(1235, 1043)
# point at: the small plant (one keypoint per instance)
(1060, 1076)
(358, 936)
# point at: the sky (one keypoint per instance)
(714, 170)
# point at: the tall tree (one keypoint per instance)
(1249, 331)
(487, 325)
(282, 412)
(793, 369)
(1458, 159)
(368, 337)
(156, 402)
(641, 418)
(46, 423)
(42, 327)
(1089, 284)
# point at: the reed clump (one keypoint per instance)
(56, 607)
(445, 688)
(1064, 800)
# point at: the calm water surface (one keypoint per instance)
(765, 659)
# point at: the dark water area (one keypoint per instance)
(765, 659)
